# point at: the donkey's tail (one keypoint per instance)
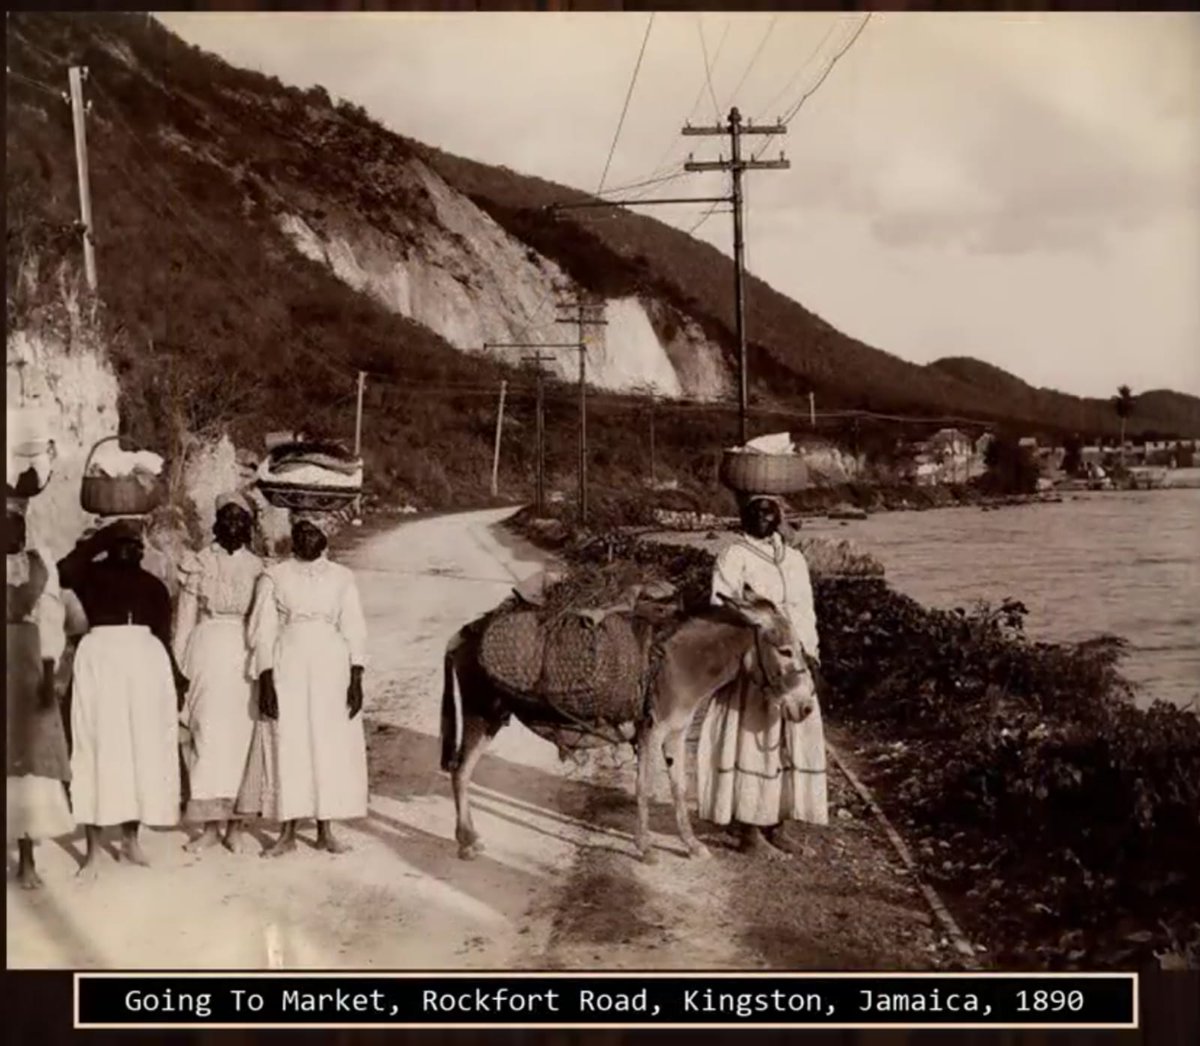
(449, 726)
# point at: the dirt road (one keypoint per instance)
(558, 886)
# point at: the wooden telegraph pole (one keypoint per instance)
(737, 166)
(75, 76)
(358, 412)
(582, 316)
(499, 429)
(537, 359)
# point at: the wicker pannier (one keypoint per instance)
(135, 495)
(750, 472)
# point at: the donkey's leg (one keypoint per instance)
(476, 733)
(675, 751)
(649, 737)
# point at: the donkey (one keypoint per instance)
(705, 653)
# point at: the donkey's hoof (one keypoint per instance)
(699, 852)
(649, 856)
(470, 851)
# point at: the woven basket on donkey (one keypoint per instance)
(749, 472)
(134, 495)
(592, 673)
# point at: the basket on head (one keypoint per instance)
(308, 499)
(133, 495)
(751, 472)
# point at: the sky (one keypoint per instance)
(1023, 188)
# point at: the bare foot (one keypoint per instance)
(285, 845)
(754, 844)
(206, 840)
(778, 839)
(235, 842)
(28, 878)
(131, 852)
(89, 871)
(329, 842)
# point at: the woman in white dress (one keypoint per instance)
(309, 757)
(756, 769)
(127, 693)
(213, 649)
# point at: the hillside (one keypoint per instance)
(258, 244)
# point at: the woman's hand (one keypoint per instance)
(182, 685)
(47, 693)
(354, 692)
(268, 700)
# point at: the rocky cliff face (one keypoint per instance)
(453, 269)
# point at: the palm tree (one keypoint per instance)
(1123, 404)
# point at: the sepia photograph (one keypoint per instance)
(605, 490)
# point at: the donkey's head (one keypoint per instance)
(775, 659)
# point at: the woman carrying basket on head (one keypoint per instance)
(213, 649)
(755, 769)
(309, 635)
(126, 693)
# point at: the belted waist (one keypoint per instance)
(287, 620)
(236, 619)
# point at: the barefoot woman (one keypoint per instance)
(124, 710)
(212, 645)
(755, 769)
(309, 758)
(38, 764)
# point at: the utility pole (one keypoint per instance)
(499, 429)
(737, 166)
(582, 319)
(537, 359)
(76, 75)
(653, 476)
(358, 412)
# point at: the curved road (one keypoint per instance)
(557, 887)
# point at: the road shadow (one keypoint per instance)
(405, 763)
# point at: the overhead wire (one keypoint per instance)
(628, 98)
(754, 58)
(708, 70)
(791, 113)
(787, 88)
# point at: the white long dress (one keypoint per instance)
(212, 648)
(753, 766)
(311, 762)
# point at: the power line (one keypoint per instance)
(791, 113)
(754, 58)
(628, 97)
(707, 69)
(800, 72)
(37, 84)
(828, 69)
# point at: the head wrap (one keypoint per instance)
(325, 522)
(749, 499)
(234, 497)
(127, 528)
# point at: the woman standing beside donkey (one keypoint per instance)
(212, 646)
(757, 770)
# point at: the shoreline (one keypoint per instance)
(926, 746)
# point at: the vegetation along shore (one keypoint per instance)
(1060, 822)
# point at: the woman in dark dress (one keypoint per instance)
(127, 693)
(38, 765)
